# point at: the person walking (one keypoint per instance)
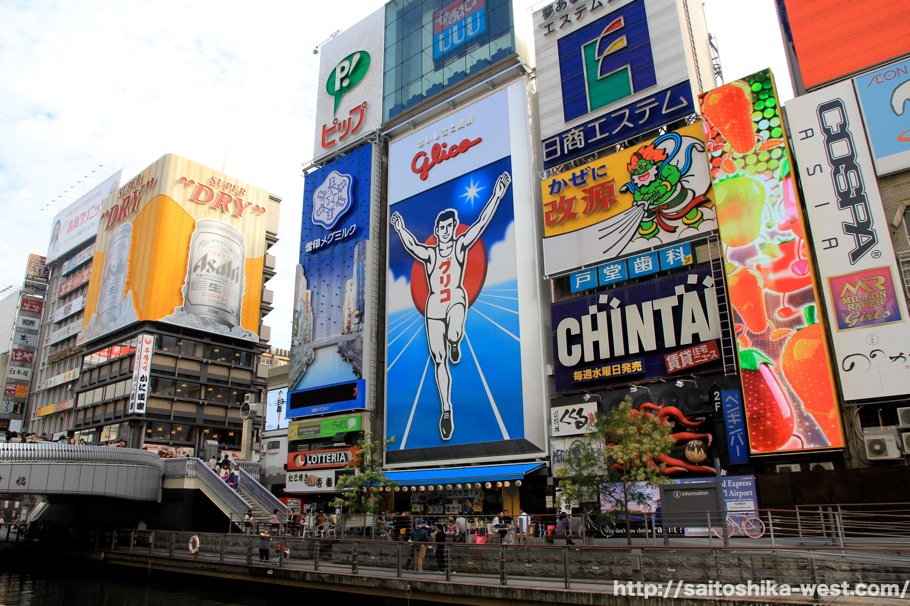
(420, 538)
(442, 561)
(274, 524)
(248, 522)
(562, 527)
(524, 525)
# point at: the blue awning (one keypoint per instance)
(480, 473)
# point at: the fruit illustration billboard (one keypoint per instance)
(788, 388)
(866, 308)
(182, 244)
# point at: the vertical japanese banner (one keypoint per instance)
(788, 388)
(142, 366)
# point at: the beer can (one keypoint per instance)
(215, 280)
(113, 278)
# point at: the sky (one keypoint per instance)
(94, 87)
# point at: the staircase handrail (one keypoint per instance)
(188, 467)
(260, 494)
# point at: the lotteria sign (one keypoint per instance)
(627, 334)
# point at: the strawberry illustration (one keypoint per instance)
(768, 412)
(805, 363)
(747, 297)
(739, 202)
(729, 108)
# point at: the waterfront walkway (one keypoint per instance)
(517, 574)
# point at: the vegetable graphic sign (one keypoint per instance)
(788, 388)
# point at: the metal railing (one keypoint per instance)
(39, 452)
(533, 565)
(258, 493)
(188, 467)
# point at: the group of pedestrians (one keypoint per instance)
(422, 541)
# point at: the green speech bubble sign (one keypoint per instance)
(346, 75)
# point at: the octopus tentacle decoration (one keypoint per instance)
(669, 415)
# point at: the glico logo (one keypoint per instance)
(606, 61)
(440, 152)
(847, 178)
(349, 72)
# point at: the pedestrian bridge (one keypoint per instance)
(47, 468)
(61, 471)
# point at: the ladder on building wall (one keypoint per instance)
(728, 351)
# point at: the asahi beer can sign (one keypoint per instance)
(113, 279)
(181, 244)
(214, 284)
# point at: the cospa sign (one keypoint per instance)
(866, 308)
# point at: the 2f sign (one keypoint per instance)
(347, 75)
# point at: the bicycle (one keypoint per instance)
(592, 528)
(743, 523)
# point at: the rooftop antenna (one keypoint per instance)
(332, 35)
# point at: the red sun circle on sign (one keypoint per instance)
(475, 273)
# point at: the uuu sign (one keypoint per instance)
(321, 459)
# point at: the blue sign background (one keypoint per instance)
(486, 387)
(735, 423)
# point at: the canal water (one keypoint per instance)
(34, 584)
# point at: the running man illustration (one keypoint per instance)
(447, 303)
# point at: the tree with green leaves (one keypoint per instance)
(616, 462)
(360, 491)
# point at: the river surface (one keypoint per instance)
(33, 585)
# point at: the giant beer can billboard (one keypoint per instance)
(861, 281)
(182, 244)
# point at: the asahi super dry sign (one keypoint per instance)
(183, 244)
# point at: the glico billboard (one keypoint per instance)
(653, 194)
(349, 94)
(463, 361)
(330, 302)
(611, 71)
(788, 389)
(182, 244)
(862, 286)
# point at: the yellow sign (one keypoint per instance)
(183, 244)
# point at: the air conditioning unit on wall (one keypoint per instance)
(903, 417)
(905, 439)
(881, 443)
(787, 467)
